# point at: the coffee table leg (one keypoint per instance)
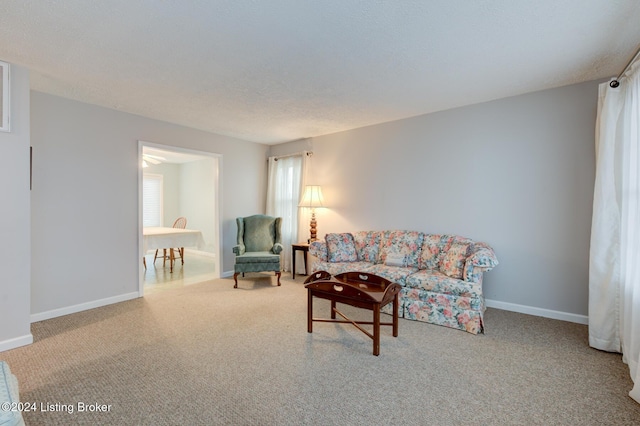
(395, 316)
(333, 309)
(309, 311)
(376, 329)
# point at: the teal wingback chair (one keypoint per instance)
(259, 245)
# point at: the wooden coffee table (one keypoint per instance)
(357, 289)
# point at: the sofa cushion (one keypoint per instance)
(407, 243)
(341, 247)
(367, 245)
(437, 282)
(433, 247)
(452, 263)
(396, 274)
(335, 268)
(258, 257)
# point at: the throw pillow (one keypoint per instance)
(432, 248)
(407, 243)
(454, 259)
(341, 248)
(395, 259)
(367, 245)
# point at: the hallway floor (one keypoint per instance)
(196, 268)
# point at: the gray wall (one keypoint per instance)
(85, 198)
(516, 173)
(15, 211)
(188, 190)
(198, 200)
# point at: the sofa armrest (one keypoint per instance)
(319, 250)
(277, 248)
(239, 249)
(482, 259)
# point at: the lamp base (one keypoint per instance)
(312, 226)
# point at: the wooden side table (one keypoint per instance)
(305, 249)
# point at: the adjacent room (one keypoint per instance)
(335, 212)
(179, 190)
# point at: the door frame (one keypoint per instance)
(217, 187)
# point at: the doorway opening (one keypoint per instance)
(190, 187)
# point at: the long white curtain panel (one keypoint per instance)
(283, 195)
(614, 266)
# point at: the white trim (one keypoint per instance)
(16, 342)
(141, 268)
(5, 98)
(83, 307)
(227, 274)
(539, 312)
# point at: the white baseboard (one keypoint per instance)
(16, 342)
(539, 312)
(227, 274)
(82, 307)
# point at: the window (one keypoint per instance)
(152, 190)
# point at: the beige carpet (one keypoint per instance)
(208, 354)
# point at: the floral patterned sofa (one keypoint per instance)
(440, 275)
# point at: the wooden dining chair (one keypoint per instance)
(180, 223)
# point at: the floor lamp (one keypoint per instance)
(312, 198)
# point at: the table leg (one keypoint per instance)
(293, 268)
(171, 259)
(309, 311)
(395, 315)
(306, 271)
(333, 309)
(376, 329)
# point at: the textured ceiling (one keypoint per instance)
(272, 71)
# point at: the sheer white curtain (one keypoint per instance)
(283, 195)
(614, 266)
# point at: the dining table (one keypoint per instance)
(160, 237)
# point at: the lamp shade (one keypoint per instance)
(312, 197)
